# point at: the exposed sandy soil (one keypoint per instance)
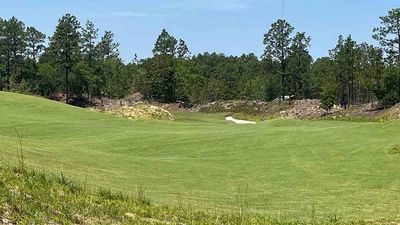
(297, 109)
(140, 111)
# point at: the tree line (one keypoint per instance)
(77, 62)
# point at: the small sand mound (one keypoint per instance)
(141, 112)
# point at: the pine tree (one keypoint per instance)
(345, 56)
(88, 48)
(107, 48)
(388, 35)
(182, 51)
(87, 41)
(35, 46)
(13, 42)
(277, 43)
(64, 46)
(299, 64)
(165, 44)
(2, 54)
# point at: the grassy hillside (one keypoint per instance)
(278, 167)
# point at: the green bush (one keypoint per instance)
(328, 97)
(388, 92)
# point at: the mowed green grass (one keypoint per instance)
(279, 167)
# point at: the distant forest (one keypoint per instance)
(81, 63)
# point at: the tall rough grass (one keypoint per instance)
(29, 197)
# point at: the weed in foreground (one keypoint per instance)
(395, 150)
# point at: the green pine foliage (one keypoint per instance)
(81, 64)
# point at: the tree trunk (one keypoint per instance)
(67, 84)
(398, 42)
(33, 62)
(283, 81)
(352, 89)
(8, 75)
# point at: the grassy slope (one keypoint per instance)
(29, 197)
(275, 167)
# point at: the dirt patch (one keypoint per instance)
(140, 111)
(262, 109)
(310, 109)
(297, 109)
(304, 109)
(243, 109)
(368, 111)
(391, 113)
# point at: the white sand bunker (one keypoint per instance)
(230, 118)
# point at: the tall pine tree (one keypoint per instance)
(277, 43)
(64, 46)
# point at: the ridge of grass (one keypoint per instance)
(30, 197)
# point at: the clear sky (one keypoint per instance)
(232, 27)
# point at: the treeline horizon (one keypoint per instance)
(81, 64)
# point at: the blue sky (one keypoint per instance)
(232, 27)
